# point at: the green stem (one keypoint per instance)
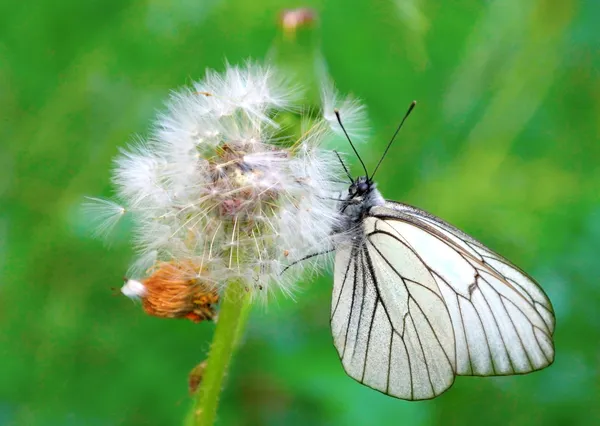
(233, 313)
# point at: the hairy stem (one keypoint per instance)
(230, 325)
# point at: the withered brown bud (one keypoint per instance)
(177, 290)
(195, 377)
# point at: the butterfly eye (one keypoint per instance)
(363, 187)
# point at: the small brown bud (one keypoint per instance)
(177, 290)
(195, 377)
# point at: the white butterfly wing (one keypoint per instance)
(502, 320)
(418, 302)
(389, 321)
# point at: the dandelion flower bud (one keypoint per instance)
(218, 193)
(292, 19)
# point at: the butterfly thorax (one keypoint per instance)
(362, 195)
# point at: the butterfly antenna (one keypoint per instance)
(344, 165)
(337, 114)
(410, 108)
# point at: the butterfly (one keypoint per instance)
(417, 302)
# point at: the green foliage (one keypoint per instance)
(504, 143)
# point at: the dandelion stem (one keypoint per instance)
(230, 326)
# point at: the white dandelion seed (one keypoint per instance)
(353, 112)
(105, 213)
(216, 193)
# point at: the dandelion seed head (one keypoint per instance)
(217, 194)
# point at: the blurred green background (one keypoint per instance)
(504, 143)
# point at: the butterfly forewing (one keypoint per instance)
(502, 321)
(454, 237)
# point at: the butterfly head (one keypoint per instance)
(363, 192)
(362, 195)
(360, 187)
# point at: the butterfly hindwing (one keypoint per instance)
(389, 321)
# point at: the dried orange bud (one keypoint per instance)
(175, 290)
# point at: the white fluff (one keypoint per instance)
(352, 113)
(133, 289)
(216, 185)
